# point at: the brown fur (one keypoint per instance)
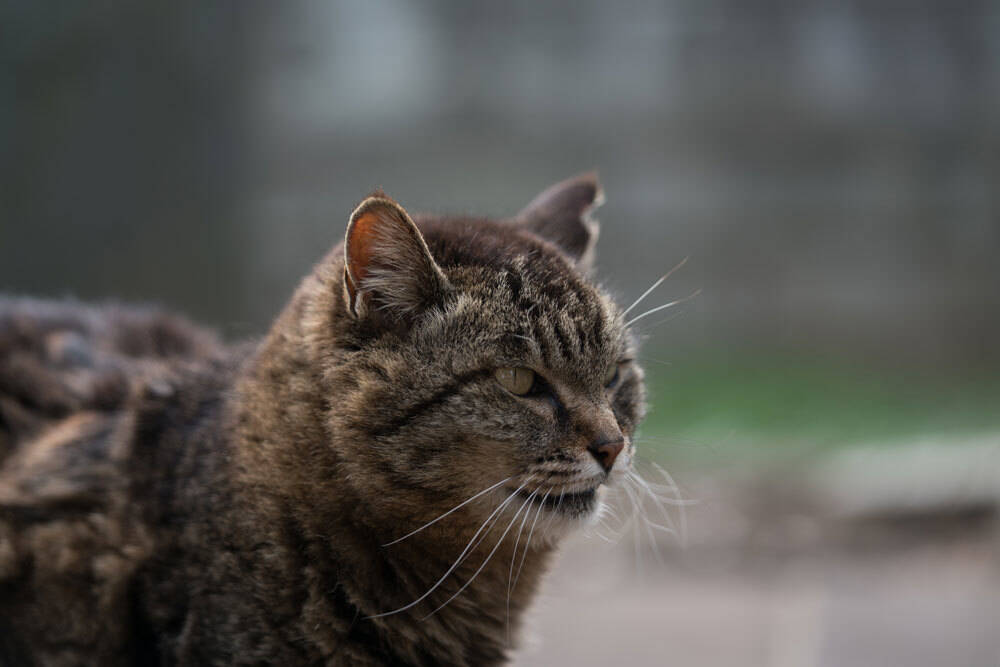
(166, 499)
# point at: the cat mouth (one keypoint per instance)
(572, 504)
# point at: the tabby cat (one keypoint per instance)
(381, 480)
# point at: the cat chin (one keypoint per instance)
(557, 524)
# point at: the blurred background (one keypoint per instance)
(830, 403)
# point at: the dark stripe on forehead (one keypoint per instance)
(579, 290)
(597, 327)
(581, 337)
(437, 398)
(552, 288)
(565, 344)
(543, 334)
(515, 284)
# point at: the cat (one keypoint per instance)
(382, 479)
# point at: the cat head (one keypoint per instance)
(465, 354)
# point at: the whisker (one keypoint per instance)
(460, 505)
(653, 544)
(661, 490)
(669, 528)
(482, 538)
(527, 544)
(487, 560)
(616, 533)
(603, 537)
(619, 532)
(665, 529)
(654, 286)
(677, 493)
(646, 358)
(641, 486)
(648, 525)
(555, 512)
(457, 560)
(513, 557)
(608, 510)
(659, 323)
(666, 494)
(659, 308)
(635, 527)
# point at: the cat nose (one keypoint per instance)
(606, 451)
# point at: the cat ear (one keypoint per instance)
(388, 267)
(562, 215)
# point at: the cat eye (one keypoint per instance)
(614, 373)
(611, 377)
(516, 380)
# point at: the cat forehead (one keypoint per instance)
(484, 253)
(468, 242)
(516, 285)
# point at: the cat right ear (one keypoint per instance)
(563, 215)
(388, 268)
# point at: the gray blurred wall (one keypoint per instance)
(830, 167)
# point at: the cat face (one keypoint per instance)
(475, 357)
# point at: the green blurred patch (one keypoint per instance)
(709, 407)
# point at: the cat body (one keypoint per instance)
(346, 490)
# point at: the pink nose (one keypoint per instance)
(606, 452)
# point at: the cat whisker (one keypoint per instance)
(677, 493)
(485, 561)
(458, 560)
(531, 532)
(661, 491)
(623, 524)
(653, 544)
(642, 486)
(633, 521)
(664, 306)
(636, 507)
(601, 521)
(654, 286)
(607, 509)
(665, 529)
(553, 514)
(637, 498)
(650, 525)
(604, 519)
(662, 362)
(659, 323)
(647, 525)
(603, 537)
(513, 557)
(486, 533)
(674, 502)
(456, 507)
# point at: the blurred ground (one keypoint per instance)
(778, 573)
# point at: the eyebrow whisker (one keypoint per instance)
(655, 285)
(666, 305)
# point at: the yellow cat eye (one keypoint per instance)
(611, 376)
(516, 380)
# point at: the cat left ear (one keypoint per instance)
(562, 215)
(388, 267)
